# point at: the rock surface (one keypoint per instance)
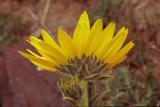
(21, 85)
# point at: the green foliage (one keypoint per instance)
(123, 90)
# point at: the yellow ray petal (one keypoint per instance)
(40, 62)
(49, 58)
(84, 20)
(111, 65)
(32, 53)
(35, 43)
(66, 43)
(42, 52)
(94, 37)
(117, 44)
(33, 38)
(108, 32)
(49, 50)
(81, 33)
(106, 36)
(46, 49)
(101, 53)
(121, 53)
(49, 40)
(44, 67)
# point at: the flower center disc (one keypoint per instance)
(88, 68)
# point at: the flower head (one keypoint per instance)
(90, 50)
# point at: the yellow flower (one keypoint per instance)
(94, 44)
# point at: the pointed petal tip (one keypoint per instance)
(112, 22)
(22, 53)
(60, 30)
(84, 16)
(32, 37)
(19, 52)
(85, 12)
(28, 50)
(99, 20)
(124, 30)
(29, 41)
(42, 30)
(131, 43)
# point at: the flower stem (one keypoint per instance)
(84, 99)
